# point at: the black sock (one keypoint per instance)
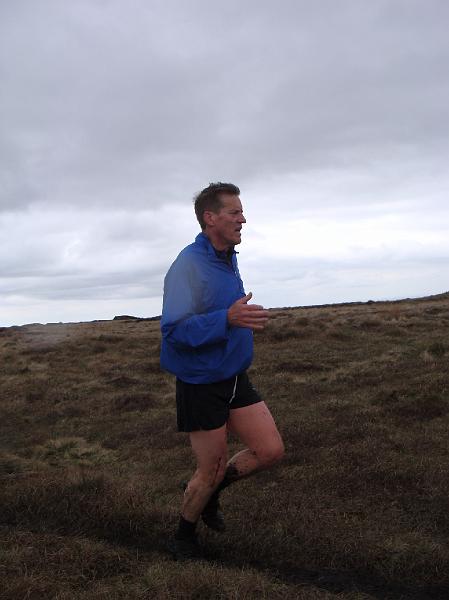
(230, 476)
(186, 529)
(223, 484)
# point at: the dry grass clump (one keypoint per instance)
(413, 405)
(91, 465)
(437, 349)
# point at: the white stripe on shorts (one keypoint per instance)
(233, 391)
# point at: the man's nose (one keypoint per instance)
(242, 219)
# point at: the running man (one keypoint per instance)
(207, 342)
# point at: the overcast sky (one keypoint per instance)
(331, 117)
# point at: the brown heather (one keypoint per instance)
(91, 466)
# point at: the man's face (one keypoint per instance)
(226, 225)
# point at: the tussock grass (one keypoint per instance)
(91, 465)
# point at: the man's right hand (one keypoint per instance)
(252, 316)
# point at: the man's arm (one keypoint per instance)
(182, 325)
(180, 322)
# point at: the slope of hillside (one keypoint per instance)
(91, 464)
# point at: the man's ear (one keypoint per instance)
(209, 217)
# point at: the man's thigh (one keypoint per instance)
(209, 447)
(255, 427)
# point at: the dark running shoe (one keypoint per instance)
(212, 515)
(185, 549)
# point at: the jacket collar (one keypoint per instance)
(205, 242)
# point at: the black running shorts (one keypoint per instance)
(206, 405)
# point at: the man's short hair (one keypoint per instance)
(210, 199)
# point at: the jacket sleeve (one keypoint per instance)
(182, 323)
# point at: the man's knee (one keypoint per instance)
(271, 454)
(212, 474)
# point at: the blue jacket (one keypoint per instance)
(198, 344)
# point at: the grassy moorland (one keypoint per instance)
(91, 465)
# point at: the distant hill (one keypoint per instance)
(435, 297)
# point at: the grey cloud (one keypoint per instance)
(129, 284)
(62, 243)
(120, 105)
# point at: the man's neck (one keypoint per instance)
(220, 247)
